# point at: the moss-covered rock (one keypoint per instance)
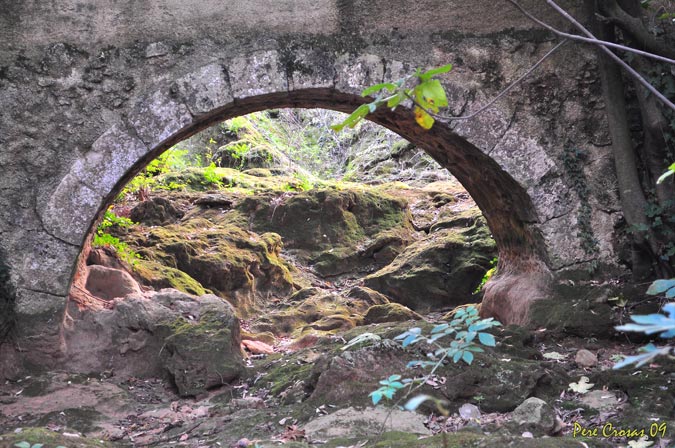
(442, 269)
(234, 263)
(159, 276)
(156, 211)
(390, 312)
(338, 231)
(203, 353)
(311, 310)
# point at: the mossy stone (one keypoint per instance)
(390, 312)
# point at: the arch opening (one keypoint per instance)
(350, 250)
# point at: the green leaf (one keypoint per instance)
(660, 286)
(435, 71)
(670, 172)
(353, 118)
(467, 357)
(487, 339)
(433, 93)
(377, 87)
(22, 445)
(415, 402)
(376, 396)
(395, 100)
(422, 118)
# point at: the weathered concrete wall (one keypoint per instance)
(91, 92)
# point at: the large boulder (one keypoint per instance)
(443, 269)
(203, 352)
(194, 341)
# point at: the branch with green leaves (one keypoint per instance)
(649, 324)
(467, 331)
(428, 94)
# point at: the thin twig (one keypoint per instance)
(591, 40)
(620, 61)
(496, 98)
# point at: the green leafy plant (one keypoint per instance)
(467, 333)
(25, 444)
(428, 95)
(174, 159)
(212, 176)
(488, 275)
(104, 239)
(649, 324)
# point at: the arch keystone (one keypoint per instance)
(158, 116)
(311, 69)
(258, 74)
(205, 89)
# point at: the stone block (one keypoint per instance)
(205, 89)
(70, 210)
(111, 156)
(158, 117)
(257, 74)
(47, 263)
(356, 73)
(312, 69)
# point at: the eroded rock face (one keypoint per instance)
(237, 264)
(336, 231)
(156, 211)
(442, 269)
(193, 340)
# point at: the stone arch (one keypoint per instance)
(264, 80)
(500, 165)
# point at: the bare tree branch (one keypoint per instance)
(589, 40)
(617, 59)
(487, 105)
(636, 28)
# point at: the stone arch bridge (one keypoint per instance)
(92, 91)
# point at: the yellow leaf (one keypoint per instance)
(423, 119)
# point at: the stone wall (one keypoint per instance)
(92, 93)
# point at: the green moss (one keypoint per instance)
(390, 312)
(50, 439)
(281, 372)
(157, 275)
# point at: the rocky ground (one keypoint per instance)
(230, 329)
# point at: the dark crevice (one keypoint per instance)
(7, 300)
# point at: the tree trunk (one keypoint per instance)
(633, 201)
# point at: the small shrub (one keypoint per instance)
(466, 331)
(488, 275)
(212, 176)
(663, 324)
(105, 239)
